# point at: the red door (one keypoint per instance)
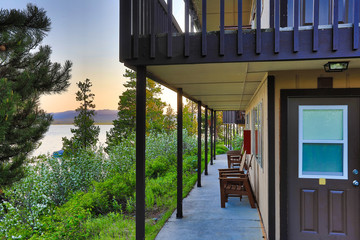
(323, 165)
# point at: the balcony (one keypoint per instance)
(219, 31)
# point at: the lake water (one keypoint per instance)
(53, 138)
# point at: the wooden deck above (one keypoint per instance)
(150, 35)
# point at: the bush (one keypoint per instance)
(68, 222)
(238, 142)
(64, 198)
(221, 149)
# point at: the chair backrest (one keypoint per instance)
(250, 161)
(233, 152)
(243, 159)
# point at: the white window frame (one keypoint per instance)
(257, 122)
(344, 141)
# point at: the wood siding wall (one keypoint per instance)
(258, 174)
(302, 80)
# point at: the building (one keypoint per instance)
(283, 62)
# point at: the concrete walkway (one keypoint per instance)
(205, 219)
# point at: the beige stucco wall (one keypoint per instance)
(258, 174)
(302, 80)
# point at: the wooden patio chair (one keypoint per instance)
(233, 156)
(235, 183)
(242, 166)
(239, 163)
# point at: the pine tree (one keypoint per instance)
(26, 73)
(86, 134)
(125, 124)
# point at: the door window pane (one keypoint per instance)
(324, 124)
(321, 159)
(323, 141)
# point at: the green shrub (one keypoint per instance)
(156, 167)
(67, 223)
(64, 198)
(221, 149)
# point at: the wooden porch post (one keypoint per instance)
(215, 135)
(211, 137)
(206, 140)
(199, 144)
(271, 158)
(179, 213)
(140, 150)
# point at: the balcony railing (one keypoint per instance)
(151, 22)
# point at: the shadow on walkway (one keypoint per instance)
(205, 219)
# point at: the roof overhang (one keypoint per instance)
(228, 86)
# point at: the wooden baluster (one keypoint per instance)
(125, 30)
(356, 25)
(186, 37)
(258, 26)
(222, 26)
(153, 31)
(316, 26)
(336, 25)
(136, 28)
(296, 26)
(239, 33)
(277, 27)
(169, 29)
(203, 31)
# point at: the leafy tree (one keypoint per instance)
(190, 117)
(26, 73)
(125, 124)
(170, 119)
(86, 134)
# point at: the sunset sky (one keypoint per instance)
(85, 32)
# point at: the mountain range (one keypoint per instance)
(105, 116)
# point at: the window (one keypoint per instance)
(306, 14)
(247, 122)
(323, 141)
(256, 138)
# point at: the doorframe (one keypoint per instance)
(286, 94)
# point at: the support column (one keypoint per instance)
(215, 135)
(199, 145)
(211, 137)
(179, 213)
(206, 140)
(271, 158)
(140, 150)
(224, 134)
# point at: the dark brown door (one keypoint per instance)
(323, 161)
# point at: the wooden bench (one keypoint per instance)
(234, 182)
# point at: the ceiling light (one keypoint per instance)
(336, 66)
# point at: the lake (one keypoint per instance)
(52, 140)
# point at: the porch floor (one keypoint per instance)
(205, 219)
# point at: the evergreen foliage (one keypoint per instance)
(125, 124)
(26, 73)
(86, 134)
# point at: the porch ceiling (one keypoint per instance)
(220, 86)
(228, 86)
